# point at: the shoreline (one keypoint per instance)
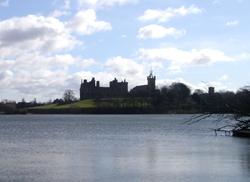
(101, 112)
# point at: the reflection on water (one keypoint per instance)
(118, 148)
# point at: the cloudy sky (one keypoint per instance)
(47, 46)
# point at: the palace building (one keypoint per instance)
(145, 90)
(93, 90)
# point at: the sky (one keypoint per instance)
(48, 46)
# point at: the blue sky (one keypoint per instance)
(48, 46)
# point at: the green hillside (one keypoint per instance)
(101, 103)
(76, 105)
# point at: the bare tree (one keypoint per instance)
(69, 96)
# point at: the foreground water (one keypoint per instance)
(129, 148)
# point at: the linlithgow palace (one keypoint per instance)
(93, 90)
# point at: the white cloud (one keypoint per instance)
(46, 34)
(6, 64)
(85, 63)
(58, 13)
(86, 23)
(34, 59)
(5, 75)
(179, 58)
(102, 3)
(36, 75)
(157, 31)
(233, 23)
(34, 33)
(63, 9)
(4, 3)
(123, 66)
(224, 77)
(169, 13)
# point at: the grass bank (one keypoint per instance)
(102, 106)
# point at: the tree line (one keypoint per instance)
(178, 97)
(175, 98)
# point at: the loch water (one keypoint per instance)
(120, 148)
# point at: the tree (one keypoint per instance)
(238, 106)
(69, 96)
(198, 92)
(242, 106)
(179, 92)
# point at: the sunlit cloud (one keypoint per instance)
(86, 23)
(168, 14)
(157, 31)
(103, 3)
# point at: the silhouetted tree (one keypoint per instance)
(58, 101)
(198, 100)
(228, 101)
(179, 92)
(243, 101)
(198, 92)
(69, 96)
(238, 105)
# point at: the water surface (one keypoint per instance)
(126, 148)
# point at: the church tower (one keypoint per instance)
(151, 82)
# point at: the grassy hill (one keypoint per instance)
(105, 106)
(76, 105)
(100, 103)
